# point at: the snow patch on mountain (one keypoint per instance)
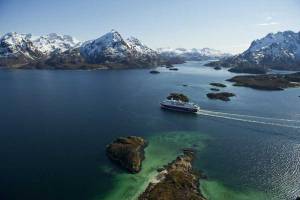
(112, 47)
(279, 51)
(54, 42)
(277, 46)
(139, 47)
(14, 44)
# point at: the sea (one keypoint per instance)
(55, 125)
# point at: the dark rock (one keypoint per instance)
(128, 152)
(184, 85)
(168, 64)
(178, 97)
(154, 72)
(217, 84)
(238, 66)
(170, 61)
(214, 64)
(297, 198)
(249, 70)
(217, 68)
(160, 169)
(215, 89)
(268, 82)
(224, 96)
(188, 150)
(173, 69)
(178, 181)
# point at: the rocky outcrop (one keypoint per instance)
(154, 72)
(178, 97)
(178, 180)
(237, 65)
(224, 96)
(268, 82)
(249, 69)
(127, 152)
(218, 85)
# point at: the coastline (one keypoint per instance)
(177, 180)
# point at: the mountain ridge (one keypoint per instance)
(279, 51)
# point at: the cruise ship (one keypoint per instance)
(179, 106)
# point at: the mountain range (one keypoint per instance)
(63, 51)
(108, 51)
(193, 54)
(274, 51)
(280, 51)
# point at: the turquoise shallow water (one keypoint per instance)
(55, 125)
(163, 148)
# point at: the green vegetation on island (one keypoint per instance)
(128, 152)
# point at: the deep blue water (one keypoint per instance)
(55, 125)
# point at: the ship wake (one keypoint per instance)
(288, 123)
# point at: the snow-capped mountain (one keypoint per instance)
(17, 49)
(192, 54)
(54, 42)
(139, 47)
(14, 44)
(109, 46)
(277, 51)
(22, 49)
(112, 48)
(54, 50)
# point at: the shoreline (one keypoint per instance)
(177, 180)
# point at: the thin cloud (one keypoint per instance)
(269, 18)
(268, 24)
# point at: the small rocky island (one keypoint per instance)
(178, 97)
(128, 152)
(173, 68)
(268, 82)
(154, 72)
(224, 96)
(177, 181)
(218, 85)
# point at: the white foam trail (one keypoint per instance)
(251, 121)
(251, 116)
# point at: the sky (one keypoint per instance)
(227, 25)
